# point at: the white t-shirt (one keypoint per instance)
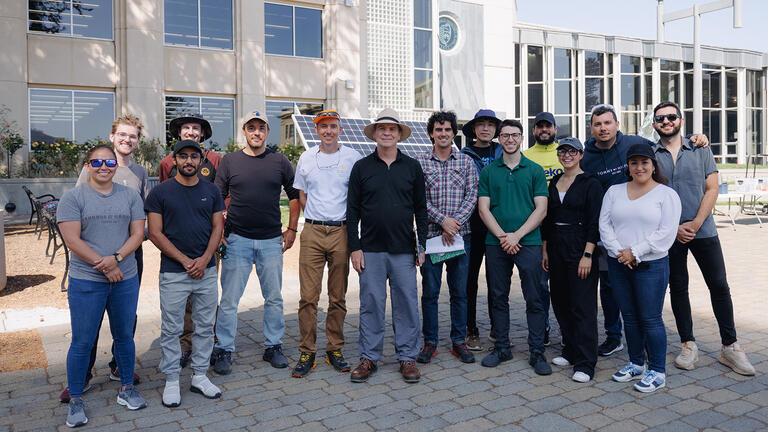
(325, 179)
(647, 225)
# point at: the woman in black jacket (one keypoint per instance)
(570, 234)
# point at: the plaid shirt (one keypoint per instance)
(451, 190)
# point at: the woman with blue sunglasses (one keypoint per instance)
(102, 223)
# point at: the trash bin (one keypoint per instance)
(3, 277)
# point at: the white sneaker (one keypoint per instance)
(172, 394)
(736, 359)
(560, 361)
(689, 355)
(581, 377)
(202, 385)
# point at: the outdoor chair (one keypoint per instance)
(46, 218)
(40, 199)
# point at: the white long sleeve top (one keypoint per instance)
(647, 225)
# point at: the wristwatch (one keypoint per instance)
(587, 254)
(117, 256)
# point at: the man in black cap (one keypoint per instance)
(192, 127)
(187, 266)
(483, 150)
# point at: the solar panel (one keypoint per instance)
(353, 137)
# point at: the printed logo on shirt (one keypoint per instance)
(204, 199)
(486, 160)
(205, 171)
(551, 172)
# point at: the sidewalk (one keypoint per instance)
(450, 396)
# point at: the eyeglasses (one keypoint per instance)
(568, 151)
(97, 163)
(660, 118)
(125, 136)
(185, 156)
(506, 136)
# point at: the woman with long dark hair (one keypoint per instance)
(638, 224)
(102, 223)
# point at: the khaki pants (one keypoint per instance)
(321, 244)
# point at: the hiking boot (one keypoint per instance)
(274, 355)
(114, 375)
(64, 396)
(609, 347)
(306, 363)
(131, 399)
(462, 352)
(689, 355)
(473, 340)
(184, 360)
(223, 365)
(409, 371)
(629, 372)
(363, 371)
(496, 357)
(651, 381)
(171, 394)
(76, 413)
(540, 365)
(202, 385)
(426, 354)
(336, 359)
(735, 358)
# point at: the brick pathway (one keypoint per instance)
(450, 396)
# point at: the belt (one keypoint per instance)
(325, 223)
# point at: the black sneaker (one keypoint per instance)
(496, 357)
(426, 353)
(304, 366)
(609, 347)
(540, 365)
(184, 361)
(336, 359)
(223, 364)
(274, 355)
(462, 352)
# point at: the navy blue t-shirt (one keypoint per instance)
(187, 213)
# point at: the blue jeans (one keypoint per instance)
(87, 302)
(242, 254)
(457, 269)
(640, 294)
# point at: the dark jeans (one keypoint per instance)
(500, 265)
(709, 257)
(431, 281)
(139, 254)
(640, 293)
(87, 302)
(574, 299)
(611, 313)
(476, 253)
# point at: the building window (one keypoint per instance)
(632, 71)
(598, 83)
(517, 81)
(199, 23)
(220, 113)
(281, 128)
(755, 114)
(536, 88)
(687, 93)
(422, 54)
(92, 19)
(69, 115)
(670, 81)
(565, 85)
(293, 31)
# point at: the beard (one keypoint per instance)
(544, 141)
(675, 131)
(184, 172)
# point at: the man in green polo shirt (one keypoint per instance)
(512, 203)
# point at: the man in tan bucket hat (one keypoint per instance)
(386, 193)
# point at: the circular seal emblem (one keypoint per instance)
(448, 34)
(205, 171)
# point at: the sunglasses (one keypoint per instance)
(97, 163)
(660, 118)
(326, 114)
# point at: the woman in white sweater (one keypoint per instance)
(638, 224)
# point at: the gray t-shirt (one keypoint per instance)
(134, 176)
(105, 225)
(688, 177)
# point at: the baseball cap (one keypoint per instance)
(544, 116)
(254, 115)
(570, 142)
(185, 144)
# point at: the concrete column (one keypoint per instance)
(13, 72)
(249, 45)
(342, 51)
(743, 148)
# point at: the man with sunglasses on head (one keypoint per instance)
(322, 179)
(605, 155)
(187, 266)
(192, 127)
(693, 175)
(124, 136)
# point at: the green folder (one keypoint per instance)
(438, 258)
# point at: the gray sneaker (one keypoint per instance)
(131, 399)
(76, 414)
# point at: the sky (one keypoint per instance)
(637, 18)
